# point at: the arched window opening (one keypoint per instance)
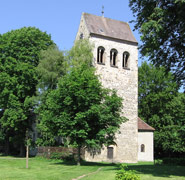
(113, 57)
(142, 148)
(126, 60)
(101, 55)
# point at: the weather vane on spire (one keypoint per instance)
(102, 11)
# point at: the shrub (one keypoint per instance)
(58, 155)
(158, 162)
(62, 155)
(123, 174)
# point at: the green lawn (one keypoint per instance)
(39, 168)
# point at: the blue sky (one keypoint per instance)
(58, 17)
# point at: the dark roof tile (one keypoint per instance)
(144, 126)
(108, 27)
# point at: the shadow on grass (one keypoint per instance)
(10, 155)
(158, 170)
(150, 169)
(85, 163)
(4, 156)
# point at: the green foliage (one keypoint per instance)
(45, 138)
(156, 91)
(172, 138)
(24, 45)
(124, 174)
(57, 155)
(19, 55)
(80, 53)
(80, 109)
(162, 107)
(62, 155)
(162, 27)
(51, 67)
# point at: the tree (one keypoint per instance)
(172, 136)
(19, 56)
(156, 90)
(162, 27)
(80, 109)
(52, 66)
(161, 106)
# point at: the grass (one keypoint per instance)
(44, 169)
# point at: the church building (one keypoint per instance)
(115, 55)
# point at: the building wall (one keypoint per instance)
(82, 29)
(145, 138)
(125, 81)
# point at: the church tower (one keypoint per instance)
(116, 60)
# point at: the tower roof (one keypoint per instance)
(142, 126)
(106, 27)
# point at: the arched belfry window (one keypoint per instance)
(113, 57)
(101, 55)
(142, 148)
(125, 60)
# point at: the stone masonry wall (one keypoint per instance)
(125, 81)
(82, 29)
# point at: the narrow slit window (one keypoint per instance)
(113, 57)
(101, 55)
(81, 36)
(110, 152)
(126, 60)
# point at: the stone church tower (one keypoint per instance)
(116, 61)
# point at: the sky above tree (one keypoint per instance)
(59, 18)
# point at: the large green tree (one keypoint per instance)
(80, 109)
(161, 106)
(51, 68)
(162, 27)
(19, 56)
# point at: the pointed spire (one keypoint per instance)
(102, 11)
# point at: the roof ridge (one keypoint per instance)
(107, 18)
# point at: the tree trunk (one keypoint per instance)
(27, 155)
(78, 155)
